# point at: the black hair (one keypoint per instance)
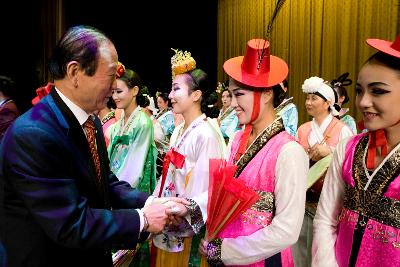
(226, 90)
(386, 60)
(146, 102)
(81, 44)
(339, 85)
(111, 103)
(341, 91)
(165, 97)
(199, 81)
(225, 85)
(279, 93)
(132, 79)
(7, 85)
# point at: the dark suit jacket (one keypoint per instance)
(53, 212)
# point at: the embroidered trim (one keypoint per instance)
(266, 203)
(254, 217)
(283, 104)
(371, 202)
(269, 132)
(108, 117)
(196, 217)
(214, 253)
(380, 233)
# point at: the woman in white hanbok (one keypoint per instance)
(186, 164)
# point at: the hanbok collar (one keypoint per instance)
(365, 167)
(124, 126)
(317, 132)
(224, 114)
(343, 112)
(161, 113)
(284, 103)
(182, 135)
(259, 142)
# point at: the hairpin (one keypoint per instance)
(120, 70)
(342, 80)
(182, 62)
(220, 88)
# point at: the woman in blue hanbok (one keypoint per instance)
(339, 86)
(165, 118)
(287, 110)
(227, 118)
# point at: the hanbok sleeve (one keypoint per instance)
(230, 125)
(345, 132)
(329, 207)
(208, 146)
(349, 121)
(290, 120)
(167, 124)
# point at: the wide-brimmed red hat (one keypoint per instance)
(257, 68)
(388, 47)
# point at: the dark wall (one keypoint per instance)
(142, 33)
(145, 33)
(21, 47)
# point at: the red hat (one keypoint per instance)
(391, 48)
(257, 68)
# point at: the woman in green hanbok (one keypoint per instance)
(132, 151)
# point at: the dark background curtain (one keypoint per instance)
(143, 33)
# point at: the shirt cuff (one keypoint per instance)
(141, 215)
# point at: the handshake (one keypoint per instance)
(162, 212)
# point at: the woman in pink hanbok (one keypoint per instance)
(268, 160)
(358, 217)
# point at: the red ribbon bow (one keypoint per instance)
(176, 159)
(376, 139)
(42, 92)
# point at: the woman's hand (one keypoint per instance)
(203, 247)
(318, 152)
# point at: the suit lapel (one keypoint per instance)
(75, 132)
(104, 162)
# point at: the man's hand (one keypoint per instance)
(156, 217)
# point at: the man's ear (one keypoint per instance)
(72, 72)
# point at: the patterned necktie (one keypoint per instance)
(91, 138)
